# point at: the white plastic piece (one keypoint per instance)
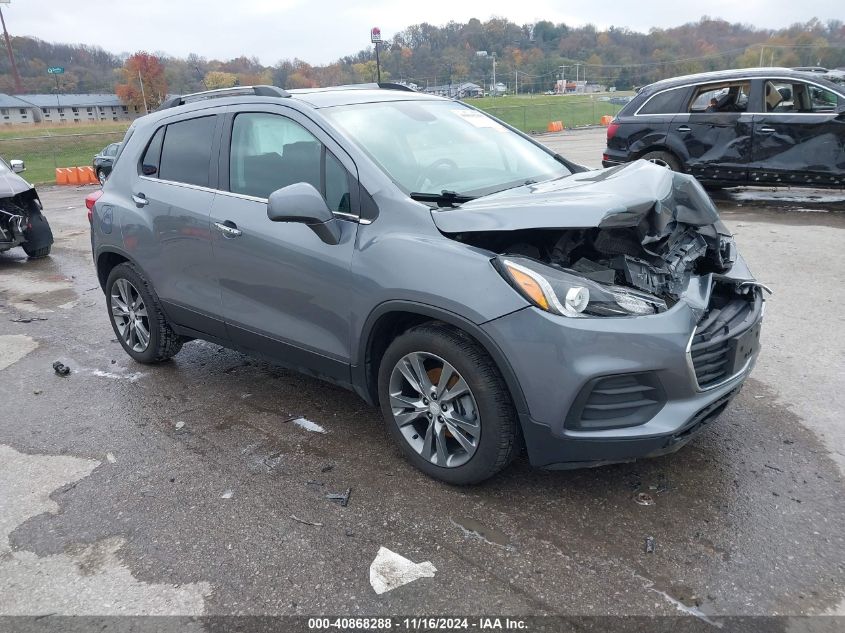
(389, 570)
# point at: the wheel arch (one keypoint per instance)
(106, 261)
(662, 147)
(392, 318)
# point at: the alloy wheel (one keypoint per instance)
(660, 161)
(130, 315)
(434, 409)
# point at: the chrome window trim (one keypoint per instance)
(242, 196)
(766, 77)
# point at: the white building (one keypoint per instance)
(64, 108)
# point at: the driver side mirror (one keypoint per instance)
(302, 203)
(17, 166)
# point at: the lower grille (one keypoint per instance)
(717, 349)
(616, 401)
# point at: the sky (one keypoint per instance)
(322, 31)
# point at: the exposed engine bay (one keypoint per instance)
(617, 256)
(636, 232)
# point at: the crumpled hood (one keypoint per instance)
(11, 184)
(622, 196)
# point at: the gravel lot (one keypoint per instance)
(128, 489)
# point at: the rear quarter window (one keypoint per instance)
(666, 102)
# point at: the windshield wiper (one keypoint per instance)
(445, 198)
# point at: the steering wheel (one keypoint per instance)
(440, 163)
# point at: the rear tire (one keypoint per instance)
(137, 318)
(664, 159)
(486, 411)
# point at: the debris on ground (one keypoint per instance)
(304, 522)
(649, 545)
(342, 498)
(349, 532)
(179, 425)
(308, 425)
(110, 458)
(228, 494)
(389, 570)
(60, 368)
(313, 482)
(644, 499)
(27, 319)
(773, 467)
(273, 461)
(327, 468)
(38, 392)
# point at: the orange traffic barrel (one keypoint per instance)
(606, 119)
(61, 176)
(555, 126)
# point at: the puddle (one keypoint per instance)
(31, 290)
(474, 529)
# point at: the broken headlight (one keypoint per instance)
(568, 294)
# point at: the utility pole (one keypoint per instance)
(494, 74)
(18, 85)
(143, 94)
(762, 48)
(516, 82)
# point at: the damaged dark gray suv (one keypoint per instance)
(486, 293)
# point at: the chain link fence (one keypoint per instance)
(535, 117)
(43, 153)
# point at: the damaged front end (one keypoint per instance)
(22, 223)
(617, 242)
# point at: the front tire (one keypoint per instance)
(446, 405)
(137, 318)
(36, 253)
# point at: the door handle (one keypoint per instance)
(140, 199)
(228, 229)
(766, 130)
(684, 128)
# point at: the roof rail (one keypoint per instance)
(258, 91)
(394, 86)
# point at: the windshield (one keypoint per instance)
(436, 146)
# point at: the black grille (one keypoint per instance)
(616, 401)
(719, 349)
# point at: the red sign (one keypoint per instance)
(375, 35)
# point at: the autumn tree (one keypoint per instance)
(217, 79)
(143, 82)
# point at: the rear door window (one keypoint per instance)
(186, 151)
(721, 98)
(152, 155)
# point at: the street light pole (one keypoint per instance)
(494, 75)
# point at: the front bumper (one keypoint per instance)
(554, 358)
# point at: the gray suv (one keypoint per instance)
(486, 293)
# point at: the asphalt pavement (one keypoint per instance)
(199, 486)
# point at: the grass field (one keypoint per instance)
(45, 147)
(532, 113)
